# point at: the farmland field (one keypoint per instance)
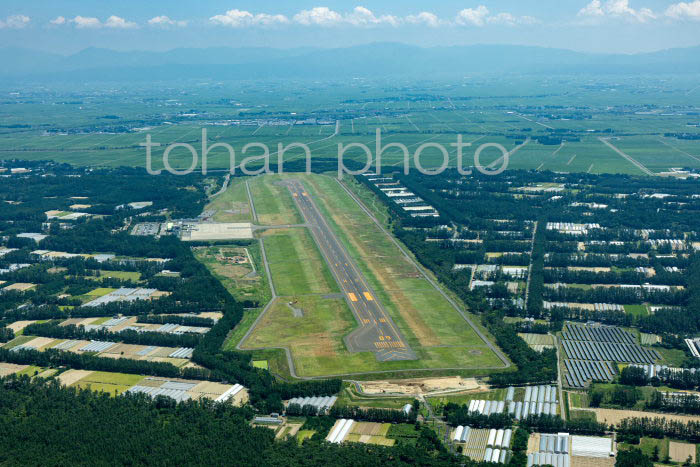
(640, 119)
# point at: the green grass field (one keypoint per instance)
(273, 202)
(19, 340)
(123, 275)
(238, 279)
(422, 314)
(348, 397)
(232, 205)
(647, 445)
(296, 264)
(636, 310)
(436, 332)
(672, 357)
(636, 115)
(112, 383)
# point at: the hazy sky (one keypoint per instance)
(66, 26)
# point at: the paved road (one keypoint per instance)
(638, 164)
(224, 187)
(377, 332)
(250, 201)
(559, 378)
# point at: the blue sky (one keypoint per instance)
(629, 26)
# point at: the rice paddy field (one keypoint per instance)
(640, 116)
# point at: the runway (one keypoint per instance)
(377, 332)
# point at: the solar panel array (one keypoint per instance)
(321, 403)
(626, 353)
(597, 334)
(581, 372)
(591, 351)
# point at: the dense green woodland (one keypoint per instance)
(44, 424)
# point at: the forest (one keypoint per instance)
(43, 422)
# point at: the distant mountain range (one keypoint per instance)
(372, 60)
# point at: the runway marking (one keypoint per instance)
(381, 338)
(304, 193)
(295, 195)
(382, 320)
(365, 321)
(368, 296)
(352, 296)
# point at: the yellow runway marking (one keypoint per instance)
(352, 296)
(381, 338)
(368, 296)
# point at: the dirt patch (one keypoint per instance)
(679, 452)
(367, 429)
(72, 376)
(533, 443)
(578, 461)
(39, 343)
(10, 368)
(581, 268)
(615, 416)
(421, 386)
(17, 326)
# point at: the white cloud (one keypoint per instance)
(166, 21)
(595, 8)
(684, 10)
(82, 22)
(424, 17)
(616, 9)
(239, 18)
(319, 16)
(481, 16)
(472, 16)
(15, 22)
(269, 20)
(116, 22)
(113, 22)
(361, 16)
(510, 20)
(59, 20)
